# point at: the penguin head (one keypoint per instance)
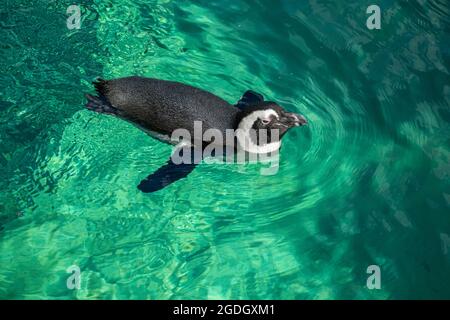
(269, 115)
(264, 117)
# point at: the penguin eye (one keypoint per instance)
(265, 121)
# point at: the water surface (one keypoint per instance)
(365, 183)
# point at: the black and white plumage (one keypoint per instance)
(160, 107)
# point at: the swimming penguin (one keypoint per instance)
(160, 107)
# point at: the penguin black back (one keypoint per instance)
(163, 106)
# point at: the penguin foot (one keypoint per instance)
(100, 105)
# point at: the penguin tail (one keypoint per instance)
(101, 86)
(99, 104)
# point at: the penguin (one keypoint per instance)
(160, 107)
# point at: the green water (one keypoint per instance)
(365, 183)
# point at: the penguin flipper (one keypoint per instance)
(168, 174)
(249, 98)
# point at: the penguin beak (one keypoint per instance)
(291, 119)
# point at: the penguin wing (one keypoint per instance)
(170, 172)
(249, 98)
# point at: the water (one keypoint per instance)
(365, 183)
